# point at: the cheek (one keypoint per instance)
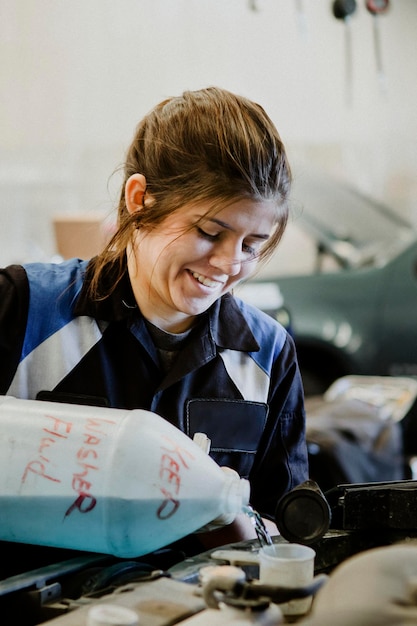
(156, 249)
(188, 248)
(248, 268)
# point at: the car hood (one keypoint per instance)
(356, 229)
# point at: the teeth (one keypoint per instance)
(204, 280)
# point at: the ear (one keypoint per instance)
(134, 192)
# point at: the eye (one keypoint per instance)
(205, 235)
(249, 249)
(252, 248)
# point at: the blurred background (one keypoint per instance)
(77, 77)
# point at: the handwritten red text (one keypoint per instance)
(174, 458)
(51, 453)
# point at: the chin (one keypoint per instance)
(193, 311)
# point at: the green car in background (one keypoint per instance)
(354, 309)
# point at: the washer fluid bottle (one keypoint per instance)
(120, 482)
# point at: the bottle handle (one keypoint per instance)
(202, 441)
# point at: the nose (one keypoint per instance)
(228, 259)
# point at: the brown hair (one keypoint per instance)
(204, 146)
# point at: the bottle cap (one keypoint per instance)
(111, 615)
(303, 515)
(238, 489)
(228, 571)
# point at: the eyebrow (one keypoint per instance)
(228, 227)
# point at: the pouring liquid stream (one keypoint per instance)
(262, 533)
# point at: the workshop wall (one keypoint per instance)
(77, 76)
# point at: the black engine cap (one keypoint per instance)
(303, 514)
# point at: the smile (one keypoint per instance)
(204, 280)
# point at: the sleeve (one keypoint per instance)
(14, 302)
(281, 461)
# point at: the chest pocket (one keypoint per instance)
(234, 427)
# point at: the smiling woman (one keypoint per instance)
(180, 269)
(207, 147)
(151, 322)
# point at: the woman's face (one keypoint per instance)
(192, 258)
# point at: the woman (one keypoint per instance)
(151, 322)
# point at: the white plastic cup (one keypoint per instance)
(288, 565)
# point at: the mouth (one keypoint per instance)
(206, 281)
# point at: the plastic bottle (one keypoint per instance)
(119, 482)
